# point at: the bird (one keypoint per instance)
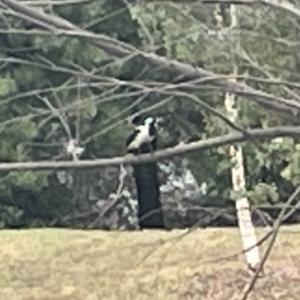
(143, 140)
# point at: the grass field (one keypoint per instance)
(90, 265)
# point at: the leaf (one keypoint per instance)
(223, 166)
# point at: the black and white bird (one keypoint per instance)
(143, 140)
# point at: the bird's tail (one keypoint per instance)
(148, 194)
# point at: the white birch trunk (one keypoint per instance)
(247, 230)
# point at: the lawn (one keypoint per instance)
(89, 265)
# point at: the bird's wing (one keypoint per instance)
(132, 137)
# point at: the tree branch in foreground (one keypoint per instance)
(275, 231)
(59, 26)
(258, 134)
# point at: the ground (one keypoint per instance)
(49, 264)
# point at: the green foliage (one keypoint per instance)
(96, 111)
(263, 193)
(9, 215)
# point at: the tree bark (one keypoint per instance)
(245, 223)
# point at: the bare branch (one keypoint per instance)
(269, 133)
(119, 122)
(119, 49)
(275, 231)
(56, 113)
(214, 112)
(55, 2)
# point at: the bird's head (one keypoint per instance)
(138, 120)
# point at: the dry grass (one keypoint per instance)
(65, 264)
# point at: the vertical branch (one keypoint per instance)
(79, 178)
(77, 133)
(245, 224)
(77, 108)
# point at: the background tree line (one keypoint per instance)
(54, 87)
